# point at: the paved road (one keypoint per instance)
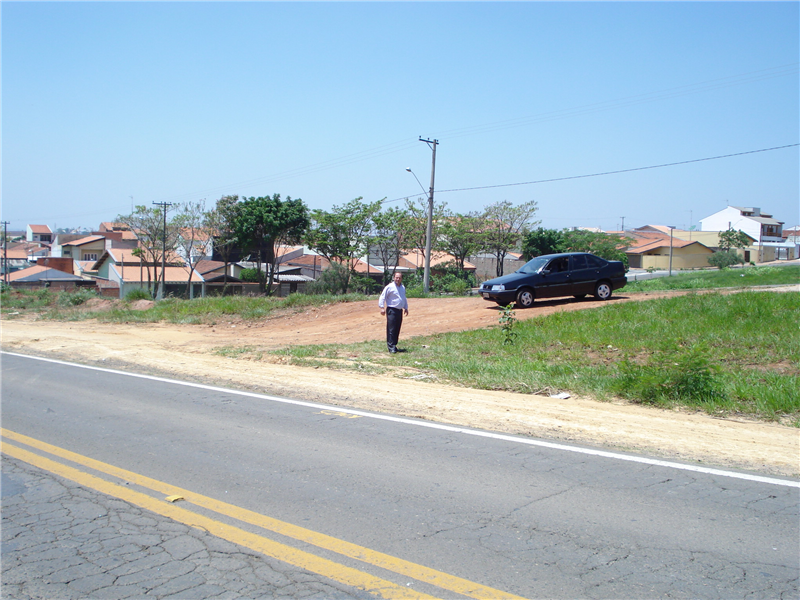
(300, 500)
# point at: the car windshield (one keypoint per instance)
(533, 265)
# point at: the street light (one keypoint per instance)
(429, 231)
(426, 279)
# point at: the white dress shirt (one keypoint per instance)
(393, 296)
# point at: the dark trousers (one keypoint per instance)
(394, 319)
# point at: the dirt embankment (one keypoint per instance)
(188, 352)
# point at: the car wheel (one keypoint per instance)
(602, 290)
(580, 296)
(525, 298)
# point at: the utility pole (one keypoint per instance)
(623, 223)
(5, 252)
(162, 283)
(429, 231)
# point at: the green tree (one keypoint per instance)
(387, 238)
(221, 221)
(605, 245)
(542, 241)
(343, 235)
(415, 225)
(733, 238)
(461, 236)
(262, 223)
(506, 224)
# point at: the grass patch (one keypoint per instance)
(723, 354)
(738, 277)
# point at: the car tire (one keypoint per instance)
(525, 298)
(580, 296)
(602, 291)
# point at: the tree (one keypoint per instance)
(733, 238)
(505, 226)
(415, 224)
(191, 223)
(343, 235)
(387, 237)
(542, 241)
(461, 236)
(263, 222)
(605, 245)
(221, 221)
(148, 225)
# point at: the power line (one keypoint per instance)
(683, 162)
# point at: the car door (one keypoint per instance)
(583, 276)
(556, 279)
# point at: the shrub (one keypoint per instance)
(724, 259)
(75, 298)
(138, 294)
(686, 376)
(250, 275)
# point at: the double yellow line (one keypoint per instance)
(282, 552)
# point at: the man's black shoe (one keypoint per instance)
(401, 349)
(392, 351)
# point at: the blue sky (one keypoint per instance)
(173, 102)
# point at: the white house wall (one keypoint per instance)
(732, 218)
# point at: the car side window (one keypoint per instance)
(594, 262)
(579, 262)
(558, 265)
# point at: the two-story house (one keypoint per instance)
(762, 227)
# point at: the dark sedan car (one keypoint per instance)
(553, 275)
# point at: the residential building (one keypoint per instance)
(39, 233)
(769, 244)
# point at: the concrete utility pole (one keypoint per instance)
(5, 251)
(162, 283)
(429, 232)
(623, 223)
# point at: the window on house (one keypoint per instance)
(90, 256)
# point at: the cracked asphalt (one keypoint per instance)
(63, 541)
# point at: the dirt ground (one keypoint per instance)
(189, 352)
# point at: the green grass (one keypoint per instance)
(737, 277)
(723, 354)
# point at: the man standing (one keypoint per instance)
(394, 305)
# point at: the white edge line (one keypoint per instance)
(440, 426)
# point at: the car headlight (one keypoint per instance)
(498, 288)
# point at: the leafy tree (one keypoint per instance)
(461, 236)
(415, 224)
(263, 222)
(541, 242)
(344, 234)
(605, 245)
(733, 238)
(505, 226)
(221, 221)
(387, 237)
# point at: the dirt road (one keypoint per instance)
(188, 352)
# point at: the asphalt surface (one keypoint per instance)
(522, 516)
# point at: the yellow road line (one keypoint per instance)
(379, 559)
(282, 552)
